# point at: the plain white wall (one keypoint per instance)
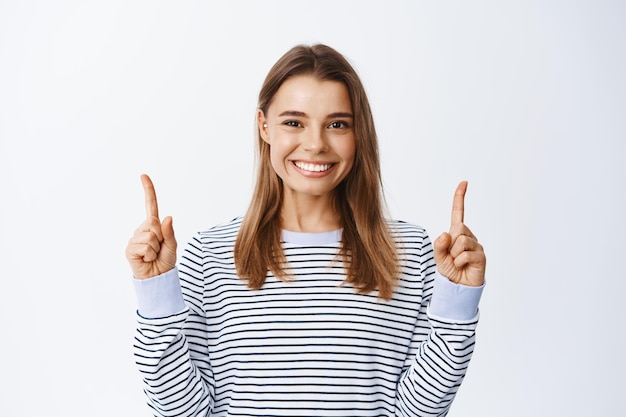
(525, 99)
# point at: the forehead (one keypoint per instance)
(310, 95)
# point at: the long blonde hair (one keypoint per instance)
(367, 248)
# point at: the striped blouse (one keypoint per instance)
(207, 345)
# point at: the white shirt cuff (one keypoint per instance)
(159, 296)
(454, 301)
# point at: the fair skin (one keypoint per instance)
(151, 251)
(309, 129)
(458, 255)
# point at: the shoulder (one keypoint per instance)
(220, 235)
(209, 248)
(222, 230)
(405, 231)
(415, 253)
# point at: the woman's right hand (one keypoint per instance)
(152, 249)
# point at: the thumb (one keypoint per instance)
(441, 247)
(167, 228)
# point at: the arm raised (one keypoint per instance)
(458, 255)
(151, 250)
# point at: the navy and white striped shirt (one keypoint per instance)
(207, 345)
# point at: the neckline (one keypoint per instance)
(310, 238)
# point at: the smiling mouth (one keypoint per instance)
(305, 166)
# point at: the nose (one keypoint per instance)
(315, 141)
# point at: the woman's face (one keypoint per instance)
(311, 135)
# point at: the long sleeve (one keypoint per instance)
(207, 345)
(449, 314)
(170, 350)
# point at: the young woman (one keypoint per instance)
(312, 303)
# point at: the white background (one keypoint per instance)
(525, 99)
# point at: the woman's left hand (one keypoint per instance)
(458, 255)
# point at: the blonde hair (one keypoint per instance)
(367, 248)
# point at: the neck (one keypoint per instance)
(309, 214)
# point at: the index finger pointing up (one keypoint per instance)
(458, 204)
(152, 207)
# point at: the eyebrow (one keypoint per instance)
(296, 113)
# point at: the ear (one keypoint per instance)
(261, 122)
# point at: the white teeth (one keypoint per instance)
(313, 167)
